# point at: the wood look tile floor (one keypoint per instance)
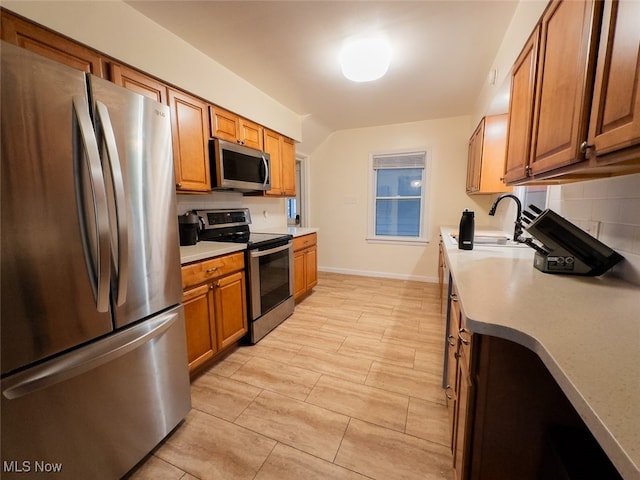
(349, 387)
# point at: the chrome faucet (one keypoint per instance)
(517, 231)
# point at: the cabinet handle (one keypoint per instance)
(462, 339)
(209, 271)
(453, 297)
(218, 284)
(585, 147)
(447, 389)
(178, 185)
(451, 340)
(528, 170)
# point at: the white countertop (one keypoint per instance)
(204, 250)
(586, 330)
(295, 231)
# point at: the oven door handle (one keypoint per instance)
(262, 253)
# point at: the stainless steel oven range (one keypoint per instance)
(269, 267)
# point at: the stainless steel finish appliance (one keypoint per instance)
(238, 167)
(269, 261)
(94, 363)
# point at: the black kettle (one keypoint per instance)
(188, 225)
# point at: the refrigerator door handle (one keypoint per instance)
(121, 258)
(99, 267)
(88, 358)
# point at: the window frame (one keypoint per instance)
(423, 236)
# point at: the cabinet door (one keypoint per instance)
(460, 451)
(523, 81)
(251, 134)
(224, 124)
(273, 146)
(200, 325)
(51, 45)
(563, 90)
(615, 116)
(299, 275)
(474, 161)
(231, 311)
(190, 134)
(311, 267)
(139, 82)
(288, 167)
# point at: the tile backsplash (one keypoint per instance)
(610, 210)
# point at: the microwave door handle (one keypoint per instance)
(266, 171)
(121, 260)
(99, 267)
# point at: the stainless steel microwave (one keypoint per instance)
(238, 167)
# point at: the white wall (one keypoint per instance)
(339, 196)
(116, 29)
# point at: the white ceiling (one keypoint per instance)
(443, 52)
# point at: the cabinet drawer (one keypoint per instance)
(304, 241)
(206, 270)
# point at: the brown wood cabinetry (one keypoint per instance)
(52, 45)
(190, 134)
(567, 49)
(504, 407)
(215, 306)
(615, 113)
(139, 82)
(460, 385)
(583, 119)
(233, 128)
(305, 265)
(485, 167)
(523, 81)
(282, 157)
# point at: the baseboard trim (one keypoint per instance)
(367, 273)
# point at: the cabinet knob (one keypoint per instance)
(585, 148)
(462, 339)
(178, 185)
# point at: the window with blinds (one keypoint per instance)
(399, 182)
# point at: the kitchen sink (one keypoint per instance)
(489, 240)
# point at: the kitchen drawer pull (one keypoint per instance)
(451, 340)
(211, 270)
(462, 339)
(453, 297)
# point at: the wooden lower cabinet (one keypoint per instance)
(215, 306)
(506, 409)
(199, 314)
(305, 265)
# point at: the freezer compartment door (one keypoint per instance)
(96, 412)
(134, 136)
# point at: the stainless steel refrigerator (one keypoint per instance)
(94, 362)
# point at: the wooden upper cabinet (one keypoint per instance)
(523, 82)
(138, 82)
(282, 162)
(190, 134)
(564, 81)
(615, 116)
(233, 128)
(49, 44)
(273, 146)
(486, 156)
(288, 167)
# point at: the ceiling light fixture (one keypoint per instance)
(365, 59)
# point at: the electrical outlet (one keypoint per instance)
(592, 227)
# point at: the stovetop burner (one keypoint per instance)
(232, 225)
